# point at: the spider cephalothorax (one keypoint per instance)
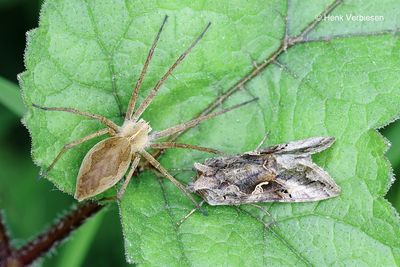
(107, 162)
(137, 133)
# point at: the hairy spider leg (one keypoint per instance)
(165, 145)
(189, 124)
(146, 102)
(128, 177)
(132, 101)
(109, 123)
(73, 144)
(164, 172)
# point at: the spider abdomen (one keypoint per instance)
(103, 166)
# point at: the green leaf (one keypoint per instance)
(329, 78)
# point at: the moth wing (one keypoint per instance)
(103, 166)
(301, 180)
(302, 147)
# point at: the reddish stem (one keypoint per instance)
(5, 249)
(51, 237)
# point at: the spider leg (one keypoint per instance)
(189, 124)
(135, 92)
(163, 171)
(165, 145)
(146, 102)
(134, 165)
(73, 144)
(100, 118)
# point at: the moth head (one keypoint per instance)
(205, 178)
(203, 169)
(203, 182)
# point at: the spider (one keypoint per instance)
(107, 162)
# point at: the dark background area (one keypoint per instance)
(30, 204)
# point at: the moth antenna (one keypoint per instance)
(189, 124)
(183, 219)
(154, 91)
(266, 135)
(135, 93)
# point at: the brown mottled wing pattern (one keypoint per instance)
(103, 166)
(280, 173)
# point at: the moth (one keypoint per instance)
(108, 161)
(279, 173)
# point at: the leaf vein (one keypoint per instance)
(280, 238)
(173, 220)
(108, 56)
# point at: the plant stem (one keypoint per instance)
(5, 249)
(45, 241)
(75, 250)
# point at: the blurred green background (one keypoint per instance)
(30, 204)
